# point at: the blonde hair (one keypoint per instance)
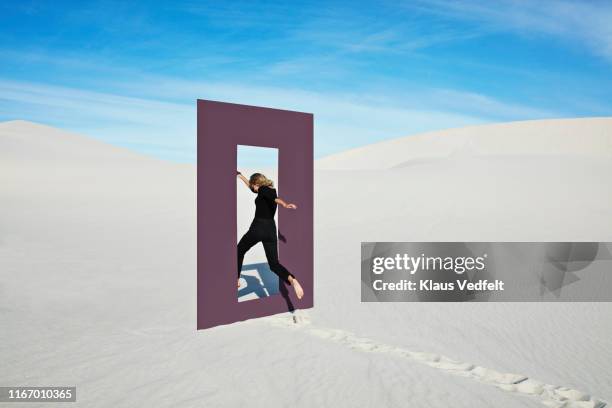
(258, 179)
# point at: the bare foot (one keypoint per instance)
(299, 292)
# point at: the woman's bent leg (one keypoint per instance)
(271, 249)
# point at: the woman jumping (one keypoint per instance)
(263, 228)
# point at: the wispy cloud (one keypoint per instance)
(484, 106)
(584, 23)
(148, 125)
(151, 124)
(344, 32)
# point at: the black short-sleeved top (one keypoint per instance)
(265, 206)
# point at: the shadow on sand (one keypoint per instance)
(268, 285)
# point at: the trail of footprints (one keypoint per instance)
(550, 395)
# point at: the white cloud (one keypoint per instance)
(153, 125)
(149, 125)
(582, 22)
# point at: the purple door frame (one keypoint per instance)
(221, 128)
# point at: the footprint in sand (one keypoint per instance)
(549, 395)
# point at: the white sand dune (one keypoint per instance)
(549, 138)
(97, 276)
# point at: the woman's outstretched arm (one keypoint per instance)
(285, 205)
(246, 180)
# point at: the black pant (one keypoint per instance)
(263, 230)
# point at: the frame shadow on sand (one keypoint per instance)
(261, 282)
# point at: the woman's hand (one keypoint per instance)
(291, 207)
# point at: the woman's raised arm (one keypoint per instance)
(244, 179)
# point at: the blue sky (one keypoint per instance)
(129, 72)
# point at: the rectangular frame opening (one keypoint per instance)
(256, 280)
